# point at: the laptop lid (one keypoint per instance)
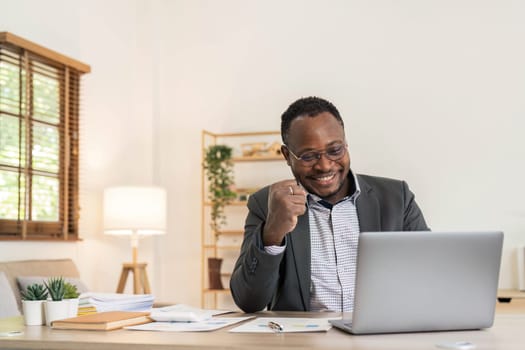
(426, 281)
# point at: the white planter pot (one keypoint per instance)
(73, 307)
(56, 310)
(33, 311)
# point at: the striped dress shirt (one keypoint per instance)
(334, 236)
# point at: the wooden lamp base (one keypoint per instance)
(140, 278)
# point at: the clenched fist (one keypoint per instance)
(286, 201)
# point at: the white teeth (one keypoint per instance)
(325, 178)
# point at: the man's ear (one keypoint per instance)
(286, 154)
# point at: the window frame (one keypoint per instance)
(69, 72)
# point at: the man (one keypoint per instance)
(301, 235)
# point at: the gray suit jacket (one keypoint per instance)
(282, 282)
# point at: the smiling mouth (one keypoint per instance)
(324, 179)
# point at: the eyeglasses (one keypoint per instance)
(332, 153)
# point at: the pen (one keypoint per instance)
(10, 333)
(275, 326)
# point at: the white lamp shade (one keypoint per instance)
(140, 210)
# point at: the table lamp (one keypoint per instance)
(135, 212)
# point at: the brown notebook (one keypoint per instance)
(103, 321)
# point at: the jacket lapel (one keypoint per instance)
(300, 244)
(368, 210)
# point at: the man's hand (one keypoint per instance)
(286, 201)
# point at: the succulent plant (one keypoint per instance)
(71, 291)
(55, 287)
(34, 292)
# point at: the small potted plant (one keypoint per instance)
(56, 308)
(71, 295)
(33, 299)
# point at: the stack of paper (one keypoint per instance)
(101, 302)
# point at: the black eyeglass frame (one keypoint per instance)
(317, 155)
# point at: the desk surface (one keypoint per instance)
(506, 334)
(511, 294)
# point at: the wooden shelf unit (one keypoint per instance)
(211, 248)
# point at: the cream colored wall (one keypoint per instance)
(117, 130)
(431, 92)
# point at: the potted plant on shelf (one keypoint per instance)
(71, 295)
(33, 299)
(56, 308)
(219, 173)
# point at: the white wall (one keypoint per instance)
(431, 92)
(117, 128)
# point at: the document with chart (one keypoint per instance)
(284, 325)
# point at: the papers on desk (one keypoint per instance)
(288, 325)
(184, 318)
(183, 313)
(11, 333)
(101, 302)
(11, 326)
(202, 326)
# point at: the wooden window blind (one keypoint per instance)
(39, 141)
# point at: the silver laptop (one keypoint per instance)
(425, 281)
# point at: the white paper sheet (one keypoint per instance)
(289, 325)
(202, 326)
(183, 313)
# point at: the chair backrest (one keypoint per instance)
(44, 268)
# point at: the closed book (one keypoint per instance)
(103, 321)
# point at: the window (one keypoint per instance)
(39, 141)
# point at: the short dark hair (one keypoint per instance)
(308, 106)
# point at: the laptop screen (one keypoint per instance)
(426, 281)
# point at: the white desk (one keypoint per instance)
(506, 334)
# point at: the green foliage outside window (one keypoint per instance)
(39, 141)
(44, 149)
